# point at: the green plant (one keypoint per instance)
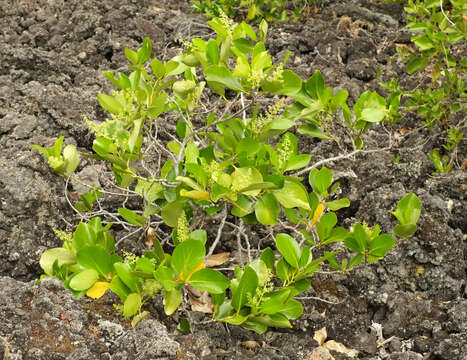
(438, 26)
(244, 160)
(255, 11)
(444, 163)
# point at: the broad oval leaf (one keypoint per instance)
(246, 288)
(132, 217)
(212, 281)
(292, 195)
(289, 248)
(267, 209)
(244, 177)
(61, 255)
(172, 300)
(187, 256)
(95, 257)
(380, 245)
(84, 280)
(110, 104)
(132, 304)
(292, 309)
(338, 204)
(124, 273)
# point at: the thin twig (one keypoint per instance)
(219, 232)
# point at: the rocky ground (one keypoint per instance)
(52, 56)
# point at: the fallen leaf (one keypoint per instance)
(319, 353)
(320, 335)
(250, 344)
(200, 300)
(150, 234)
(217, 259)
(340, 348)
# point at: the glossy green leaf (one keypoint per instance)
(158, 105)
(124, 273)
(315, 85)
(110, 104)
(292, 309)
(132, 217)
(292, 195)
(221, 75)
(212, 281)
(132, 304)
(145, 52)
(338, 204)
(267, 209)
(380, 245)
(172, 300)
(291, 83)
(289, 249)
(267, 256)
(212, 52)
(95, 257)
(405, 231)
(61, 255)
(312, 130)
(245, 289)
(171, 212)
(320, 180)
(84, 280)
(166, 276)
(119, 288)
(297, 162)
(187, 256)
(242, 178)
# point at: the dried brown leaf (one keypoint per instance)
(217, 259)
(320, 335)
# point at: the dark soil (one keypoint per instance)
(53, 53)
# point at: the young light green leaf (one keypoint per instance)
(132, 217)
(267, 209)
(405, 231)
(71, 157)
(172, 300)
(408, 209)
(338, 204)
(61, 255)
(110, 104)
(84, 280)
(132, 304)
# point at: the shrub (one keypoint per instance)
(243, 159)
